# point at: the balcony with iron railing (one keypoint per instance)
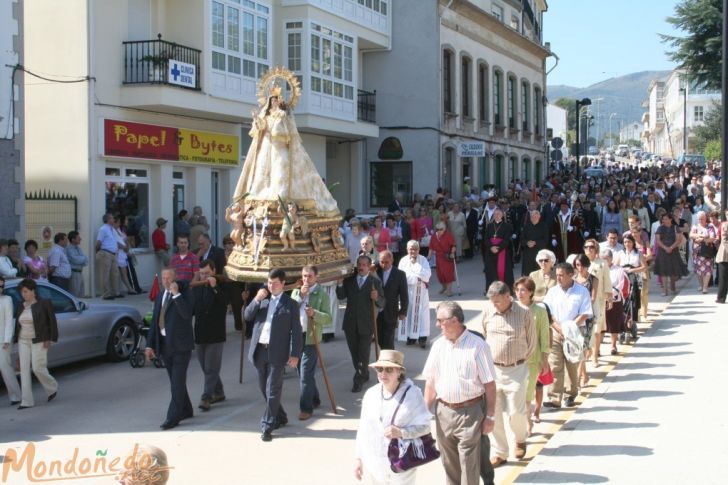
(367, 106)
(161, 62)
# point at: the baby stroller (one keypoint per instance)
(631, 291)
(137, 357)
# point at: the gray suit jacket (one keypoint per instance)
(286, 334)
(358, 316)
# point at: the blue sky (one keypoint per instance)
(597, 39)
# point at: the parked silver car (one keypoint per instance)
(85, 330)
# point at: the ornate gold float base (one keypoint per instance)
(261, 249)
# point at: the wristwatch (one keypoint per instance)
(490, 418)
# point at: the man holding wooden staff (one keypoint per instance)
(359, 291)
(315, 313)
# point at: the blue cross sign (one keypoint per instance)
(182, 74)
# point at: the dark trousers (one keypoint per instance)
(64, 283)
(235, 294)
(176, 364)
(270, 381)
(385, 332)
(722, 281)
(360, 347)
(307, 369)
(210, 358)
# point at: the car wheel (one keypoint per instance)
(122, 340)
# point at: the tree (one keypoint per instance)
(713, 150)
(700, 51)
(570, 106)
(710, 129)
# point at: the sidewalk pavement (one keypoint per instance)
(650, 419)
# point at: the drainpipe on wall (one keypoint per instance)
(91, 143)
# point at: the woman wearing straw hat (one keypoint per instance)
(375, 431)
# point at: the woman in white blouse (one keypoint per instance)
(375, 426)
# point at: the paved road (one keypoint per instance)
(107, 408)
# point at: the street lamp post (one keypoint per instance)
(611, 137)
(579, 104)
(684, 91)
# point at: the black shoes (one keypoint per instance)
(356, 387)
(552, 404)
(266, 436)
(52, 396)
(217, 398)
(569, 401)
(204, 405)
(14, 403)
(280, 423)
(24, 407)
(169, 424)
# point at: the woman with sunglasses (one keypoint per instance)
(376, 428)
(544, 277)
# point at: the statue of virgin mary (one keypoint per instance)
(277, 166)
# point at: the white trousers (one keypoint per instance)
(8, 373)
(510, 398)
(35, 357)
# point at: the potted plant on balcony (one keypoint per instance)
(156, 65)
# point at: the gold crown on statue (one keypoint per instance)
(276, 91)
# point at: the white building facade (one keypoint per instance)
(12, 186)
(161, 121)
(674, 108)
(460, 98)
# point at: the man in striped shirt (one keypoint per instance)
(185, 262)
(510, 332)
(459, 373)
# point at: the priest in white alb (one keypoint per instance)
(417, 326)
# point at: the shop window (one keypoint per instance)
(387, 179)
(127, 196)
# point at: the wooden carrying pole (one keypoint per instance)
(242, 351)
(324, 372)
(376, 333)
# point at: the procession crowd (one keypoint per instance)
(587, 250)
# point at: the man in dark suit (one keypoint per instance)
(652, 207)
(396, 204)
(359, 291)
(550, 210)
(209, 251)
(210, 310)
(394, 284)
(277, 340)
(171, 337)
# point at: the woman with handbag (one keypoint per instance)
(668, 263)
(583, 277)
(35, 328)
(394, 429)
(538, 362)
(704, 238)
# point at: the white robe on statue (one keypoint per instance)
(418, 314)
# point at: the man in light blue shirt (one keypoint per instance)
(107, 245)
(78, 260)
(59, 269)
(569, 304)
